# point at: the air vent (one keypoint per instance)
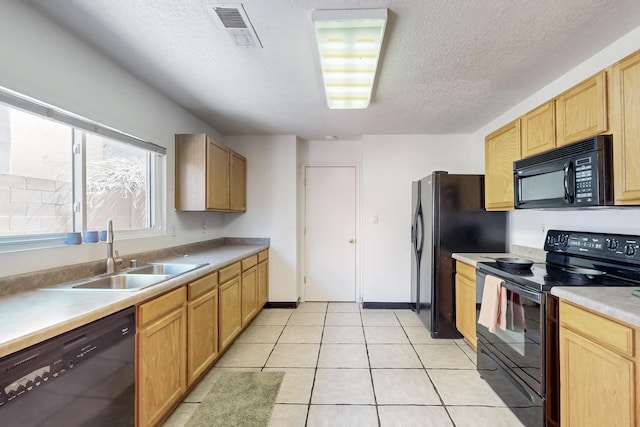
(235, 21)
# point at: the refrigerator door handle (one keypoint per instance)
(419, 241)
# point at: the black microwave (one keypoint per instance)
(572, 176)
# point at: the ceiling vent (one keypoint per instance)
(235, 20)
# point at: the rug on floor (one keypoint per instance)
(239, 399)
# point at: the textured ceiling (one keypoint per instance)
(448, 66)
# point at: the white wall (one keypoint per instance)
(529, 227)
(271, 206)
(390, 164)
(41, 60)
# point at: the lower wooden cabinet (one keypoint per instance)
(202, 321)
(161, 351)
(249, 295)
(263, 278)
(230, 305)
(598, 370)
(466, 302)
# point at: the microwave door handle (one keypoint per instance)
(569, 182)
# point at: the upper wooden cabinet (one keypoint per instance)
(502, 148)
(581, 111)
(538, 130)
(625, 124)
(237, 182)
(209, 176)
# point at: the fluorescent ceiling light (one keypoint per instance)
(349, 43)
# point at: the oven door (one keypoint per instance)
(511, 359)
(549, 185)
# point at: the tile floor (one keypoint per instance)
(347, 366)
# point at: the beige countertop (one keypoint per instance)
(613, 301)
(34, 316)
(536, 255)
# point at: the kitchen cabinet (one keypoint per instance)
(209, 176)
(466, 302)
(229, 305)
(263, 278)
(249, 285)
(202, 326)
(538, 129)
(598, 369)
(625, 106)
(581, 111)
(237, 182)
(502, 148)
(161, 350)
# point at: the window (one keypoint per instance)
(61, 173)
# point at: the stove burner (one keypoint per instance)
(577, 274)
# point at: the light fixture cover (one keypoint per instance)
(349, 43)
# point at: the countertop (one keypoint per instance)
(616, 302)
(537, 255)
(31, 317)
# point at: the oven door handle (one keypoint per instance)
(531, 295)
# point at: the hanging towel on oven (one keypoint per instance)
(493, 308)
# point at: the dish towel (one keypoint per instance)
(493, 308)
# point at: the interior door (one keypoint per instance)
(330, 273)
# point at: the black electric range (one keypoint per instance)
(522, 363)
(578, 259)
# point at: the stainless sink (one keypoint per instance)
(130, 280)
(164, 268)
(124, 282)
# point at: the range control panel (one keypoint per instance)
(617, 247)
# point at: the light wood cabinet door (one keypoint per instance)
(625, 125)
(502, 148)
(581, 111)
(161, 366)
(202, 337)
(539, 130)
(597, 386)
(230, 311)
(237, 182)
(249, 294)
(598, 370)
(466, 302)
(217, 176)
(263, 283)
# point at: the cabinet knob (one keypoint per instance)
(352, 240)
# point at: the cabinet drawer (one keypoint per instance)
(611, 334)
(202, 285)
(466, 270)
(263, 255)
(249, 262)
(156, 308)
(229, 272)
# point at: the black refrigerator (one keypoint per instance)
(448, 216)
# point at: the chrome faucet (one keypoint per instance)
(111, 263)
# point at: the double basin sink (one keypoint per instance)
(132, 279)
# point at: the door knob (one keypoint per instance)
(351, 240)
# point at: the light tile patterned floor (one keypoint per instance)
(347, 366)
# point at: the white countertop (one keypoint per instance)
(31, 317)
(616, 302)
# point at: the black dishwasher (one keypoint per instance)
(84, 377)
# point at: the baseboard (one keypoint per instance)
(281, 304)
(387, 305)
